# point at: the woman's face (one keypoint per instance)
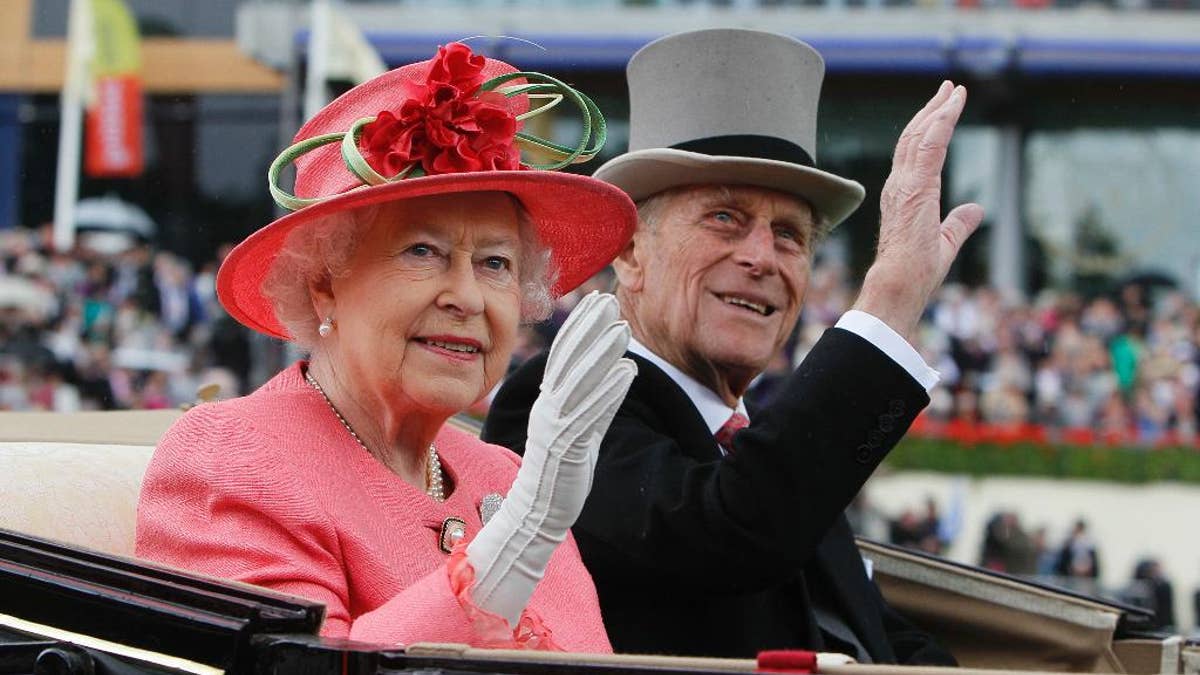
(426, 315)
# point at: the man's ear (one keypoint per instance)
(628, 265)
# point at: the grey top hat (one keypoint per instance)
(728, 106)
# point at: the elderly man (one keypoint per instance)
(707, 540)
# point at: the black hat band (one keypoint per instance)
(750, 146)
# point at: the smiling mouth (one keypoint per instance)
(736, 301)
(461, 347)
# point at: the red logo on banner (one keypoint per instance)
(114, 128)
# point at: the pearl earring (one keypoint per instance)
(326, 327)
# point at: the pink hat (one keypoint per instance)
(447, 125)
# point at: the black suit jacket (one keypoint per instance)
(697, 554)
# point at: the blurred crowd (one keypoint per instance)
(1118, 370)
(111, 327)
(140, 328)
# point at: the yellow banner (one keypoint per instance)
(118, 46)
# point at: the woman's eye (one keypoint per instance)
(723, 217)
(497, 263)
(421, 250)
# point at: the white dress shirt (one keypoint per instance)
(711, 407)
(888, 341)
(714, 410)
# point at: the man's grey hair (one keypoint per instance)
(323, 248)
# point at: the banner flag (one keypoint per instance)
(351, 56)
(113, 143)
(77, 82)
(337, 50)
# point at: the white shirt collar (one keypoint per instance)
(714, 410)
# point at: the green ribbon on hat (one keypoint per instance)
(537, 86)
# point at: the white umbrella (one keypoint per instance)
(109, 225)
(111, 213)
(21, 293)
(150, 359)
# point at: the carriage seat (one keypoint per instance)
(75, 477)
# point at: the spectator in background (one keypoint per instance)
(1078, 559)
(921, 532)
(1127, 349)
(907, 530)
(931, 529)
(1196, 608)
(1007, 547)
(1046, 556)
(1134, 309)
(1151, 589)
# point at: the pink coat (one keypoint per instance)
(270, 489)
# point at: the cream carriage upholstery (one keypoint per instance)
(75, 478)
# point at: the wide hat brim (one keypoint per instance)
(642, 173)
(584, 223)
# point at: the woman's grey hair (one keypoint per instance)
(323, 248)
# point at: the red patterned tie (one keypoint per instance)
(724, 435)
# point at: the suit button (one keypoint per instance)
(864, 454)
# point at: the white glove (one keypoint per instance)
(584, 383)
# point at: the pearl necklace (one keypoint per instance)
(434, 486)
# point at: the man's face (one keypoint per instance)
(715, 279)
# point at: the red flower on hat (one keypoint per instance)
(446, 124)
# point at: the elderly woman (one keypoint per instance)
(422, 243)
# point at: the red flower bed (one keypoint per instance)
(966, 432)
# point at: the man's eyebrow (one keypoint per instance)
(801, 222)
(798, 222)
(711, 198)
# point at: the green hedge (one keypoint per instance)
(1122, 465)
